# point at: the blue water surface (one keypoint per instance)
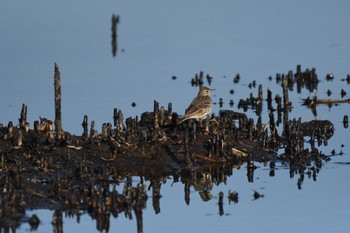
(160, 39)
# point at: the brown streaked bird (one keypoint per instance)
(200, 106)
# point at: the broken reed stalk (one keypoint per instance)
(9, 130)
(36, 127)
(260, 95)
(156, 115)
(19, 137)
(285, 91)
(269, 99)
(120, 121)
(50, 130)
(115, 21)
(162, 115)
(115, 117)
(85, 127)
(104, 131)
(58, 114)
(92, 130)
(170, 111)
(201, 79)
(23, 118)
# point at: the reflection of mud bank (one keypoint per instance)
(43, 168)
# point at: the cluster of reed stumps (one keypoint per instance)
(45, 167)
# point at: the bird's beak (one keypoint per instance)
(212, 89)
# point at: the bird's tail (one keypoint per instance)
(182, 120)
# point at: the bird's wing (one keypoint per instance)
(197, 104)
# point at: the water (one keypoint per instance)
(160, 40)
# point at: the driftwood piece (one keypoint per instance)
(311, 102)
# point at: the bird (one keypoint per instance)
(200, 106)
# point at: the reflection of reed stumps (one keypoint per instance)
(58, 115)
(272, 168)
(139, 219)
(300, 180)
(115, 21)
(232, 197)
(187, 192)
(57, 222)
(250, 170)
(34, 222)
(23, 118)
(221, 203)
(156, 195)
(85, 127)
(139, 203)
(102, 223)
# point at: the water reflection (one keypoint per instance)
(102, 201)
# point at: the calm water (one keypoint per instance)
(158, 40)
